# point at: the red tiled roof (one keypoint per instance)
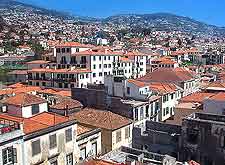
(98, 162)
(101, 119)
(197, 97)
(168, 75)
(218, 97)
(64, 93)
(42, 121)
(64, 103)
(74, 44)
(24, 99)
(82, 129)
(38, 62)
(137, 83)
(17, 85)
(45, 70)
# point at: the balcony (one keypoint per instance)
(7, 126)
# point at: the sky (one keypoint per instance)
(208, 11)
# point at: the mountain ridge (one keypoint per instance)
(158, 21)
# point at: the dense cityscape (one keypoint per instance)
(129, 89)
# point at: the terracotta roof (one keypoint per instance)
(216, 84)
(98, 162)
(218, 97)
(64, 103)
(64, 93)
(82, 129)
(45, 70)
(137, 83)
(17, 90)
(38, 122)
(42, 121)
(47, 91)
(197, 97)
(24, 99)
(163, 87)
(168, 75)
(38, 62)
(101, 119)
(74, 44)
(17, 85)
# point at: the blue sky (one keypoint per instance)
(209, 11)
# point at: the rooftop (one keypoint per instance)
(101, 119)
(23, 100)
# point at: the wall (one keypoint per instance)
(214, 106)
(124, 141)
(27, 111)
(62, 148)
(87, 142)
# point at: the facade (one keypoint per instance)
(43, 139)
(116, 130)
(88, 141)
(77, 65)
(24, 105)
(183, 78)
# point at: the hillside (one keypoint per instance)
(157, 21)
(164, 21)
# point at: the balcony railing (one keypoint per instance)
(8, 126)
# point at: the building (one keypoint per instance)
(78, 64)
(203, 139)
(158, 138)
(46, 138)
(116, 130)
(11, 140)
(88, 141)
(183, 78)
(24, 105)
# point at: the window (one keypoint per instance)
(167, 110)
(100, 74)
(136, 114)
(83, 153)
(109, 65)
(142, 113)
(172, 96)
(35, 109)
(100, 58)
(127, 132)
(94, 66)
(36, 147)
(57, 50)
(94, 149)
(94, 58)
(52, 141)
(69, 136)
(147, 111)
(77, 50)
(67, 50)
(105, 58)
(100, 66)
(108, 57)
(94, 74)
(118, 136)
(9, 155)
(69, 159)
(128, 90)
(43, 83)
(105, 73)
(86, 75)
(105, 65)
(63, 50)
